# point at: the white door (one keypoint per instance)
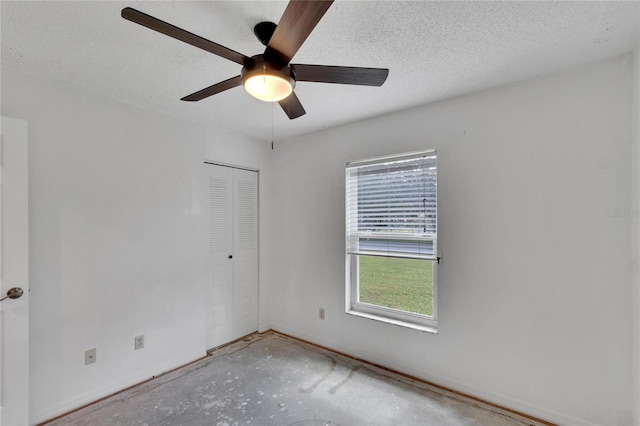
(220, 266)
(14, 313)
(245, 253)
(232, 291)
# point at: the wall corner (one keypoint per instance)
(635, 235)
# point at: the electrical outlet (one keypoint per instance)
(321, 313)
(90, 356)
(138, 342)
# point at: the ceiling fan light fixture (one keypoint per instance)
(269, 88)
(266, 82)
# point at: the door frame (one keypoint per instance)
(233, 166)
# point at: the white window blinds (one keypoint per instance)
(391, 206)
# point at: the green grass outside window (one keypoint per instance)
(404, 284)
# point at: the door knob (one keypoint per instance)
(13, 293)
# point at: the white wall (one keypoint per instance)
(534, 288)
(117, 239)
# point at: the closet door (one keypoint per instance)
(220, 266)
(245, 256)
(232, 296)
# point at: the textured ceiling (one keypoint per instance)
(434, 50)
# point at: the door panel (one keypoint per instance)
(220, 288)
(245, 267)
(14, 313)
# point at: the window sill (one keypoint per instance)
(418, 327)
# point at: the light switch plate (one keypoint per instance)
(138, 342)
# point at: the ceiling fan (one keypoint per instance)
(270, 76)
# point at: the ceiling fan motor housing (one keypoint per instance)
(260, 65)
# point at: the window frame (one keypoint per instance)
(398, 317)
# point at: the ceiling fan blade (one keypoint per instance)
(292, 106)
(212, 90)
(340, 75)
(165, 28)
(299, 19)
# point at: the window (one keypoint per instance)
(391, 239)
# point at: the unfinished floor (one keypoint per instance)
(271, 379)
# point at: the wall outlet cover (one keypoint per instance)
(90, 356)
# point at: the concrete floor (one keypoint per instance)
(271, 379)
